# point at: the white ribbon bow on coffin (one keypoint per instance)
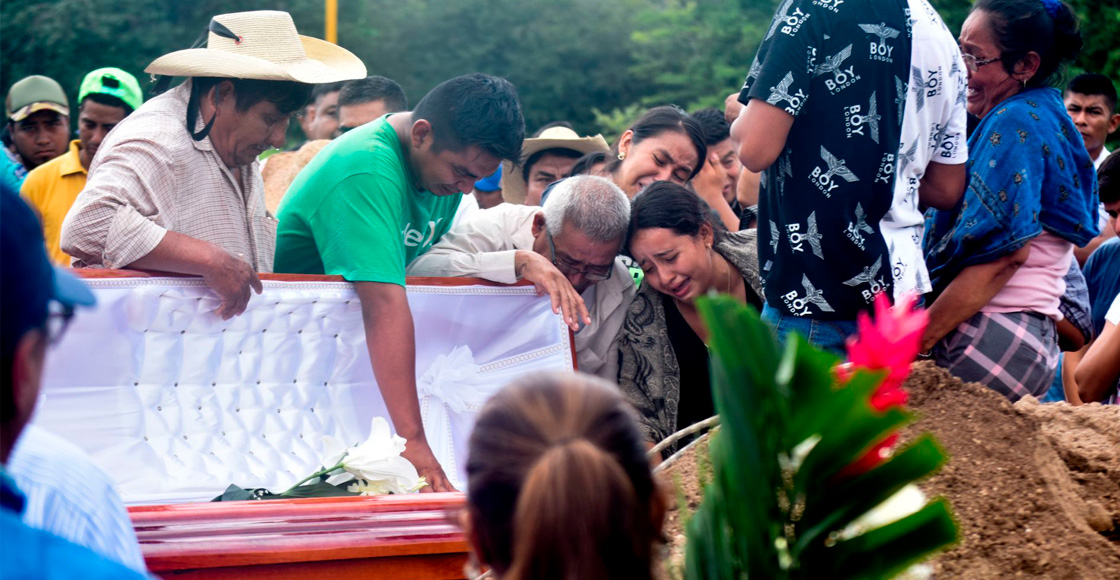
(452, 392)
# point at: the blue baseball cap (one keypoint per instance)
(30, 283)
(491, 183)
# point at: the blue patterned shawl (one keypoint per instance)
(1028, 171)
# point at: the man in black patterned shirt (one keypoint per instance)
(823, 118)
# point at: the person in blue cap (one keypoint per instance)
(488, 190)
(38, 301)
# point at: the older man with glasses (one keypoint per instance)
(568, 248)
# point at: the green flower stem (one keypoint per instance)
(319, 473)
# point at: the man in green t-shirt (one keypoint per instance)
(381, 195)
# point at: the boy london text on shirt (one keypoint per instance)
(933, 130)
(833, 65)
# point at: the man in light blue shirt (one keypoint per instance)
(38, 302)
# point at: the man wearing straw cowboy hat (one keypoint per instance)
(547, 157)
(176, 186)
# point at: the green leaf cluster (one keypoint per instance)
(317, 489)
(776, 506)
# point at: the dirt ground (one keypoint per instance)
(1035, 488)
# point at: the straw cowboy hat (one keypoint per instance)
(261, 45)
(514, 187)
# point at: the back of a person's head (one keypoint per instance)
(714, 126)
(475, 109)
(594, 206)
(321, 90)
(1090, 84)
(1108, 179)
(559, 484)
(374, 88)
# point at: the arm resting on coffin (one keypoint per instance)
(391, 340)
(970, 291)
(231, 277)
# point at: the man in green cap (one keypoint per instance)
(106, 97)
(38, 123)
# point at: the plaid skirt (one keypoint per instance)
(1015, 353)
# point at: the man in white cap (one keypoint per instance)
(548, 157)
(176, 187)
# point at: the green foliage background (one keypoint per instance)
(568, 58)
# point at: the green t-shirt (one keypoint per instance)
(355, 212)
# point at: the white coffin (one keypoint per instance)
(176, 404)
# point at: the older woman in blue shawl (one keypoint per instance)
(998, 258)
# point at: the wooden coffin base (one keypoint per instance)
(387, 537)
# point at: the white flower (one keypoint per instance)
(378, 461)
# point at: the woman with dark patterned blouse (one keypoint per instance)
(663, 356)
(997, 259)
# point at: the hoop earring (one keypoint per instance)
(621, 156)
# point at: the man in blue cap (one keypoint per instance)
(488, 191)
(38, 301)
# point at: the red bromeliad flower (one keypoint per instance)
(889, 343)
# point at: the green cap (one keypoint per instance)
(113, 82)
(33, 94)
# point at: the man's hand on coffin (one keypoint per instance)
(550, 280)
(420, 455)
(233, 279)
(230, 276)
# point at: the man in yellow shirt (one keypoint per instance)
(106, 97)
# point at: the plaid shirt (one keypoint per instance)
(150, 176)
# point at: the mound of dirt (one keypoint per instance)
(1035, 488)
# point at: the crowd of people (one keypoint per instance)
(868, 151)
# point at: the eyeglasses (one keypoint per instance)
(595, 273)
(974, 65)
(58, 320)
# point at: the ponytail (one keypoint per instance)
(577, 517)
(559, 486)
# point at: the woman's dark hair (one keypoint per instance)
(559, 483)
(1023, 26)
(672, 206)
(660, 120)
(714, 125)
(584, 164)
